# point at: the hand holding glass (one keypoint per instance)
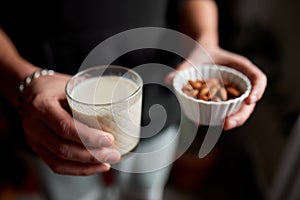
(108, 98)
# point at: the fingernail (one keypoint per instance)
(107, 165)
(103, 167)
(107, 140)
(112, 157)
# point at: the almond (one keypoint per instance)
(233, 91)
(223, 94)
(212, 89)
(195, 84)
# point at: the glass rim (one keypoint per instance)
(139, 86)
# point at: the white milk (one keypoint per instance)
(111, 104)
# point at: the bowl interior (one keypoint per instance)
(204, 72)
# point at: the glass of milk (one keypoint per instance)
(108, 98)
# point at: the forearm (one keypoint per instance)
(13, 68)
(199, 19)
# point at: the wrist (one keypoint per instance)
(14, 71)
(24, 69)
(28, 79)
(208, 41)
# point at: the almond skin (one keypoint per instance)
(212, 89)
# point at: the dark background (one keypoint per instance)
(247, 160)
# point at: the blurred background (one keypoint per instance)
(256, 161)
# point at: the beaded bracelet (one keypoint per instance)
(30, 78)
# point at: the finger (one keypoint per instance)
(259, 83)
(240, 117)
(76, 152)
(257, 77)
(66, 167)
(72, 151)
(64, 125)
(197, 56)
(169, 78)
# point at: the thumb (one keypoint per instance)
(169, 78)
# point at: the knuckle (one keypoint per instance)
(245, 60)
(239, 123)
(64, 127)
(262, 76)
(265, 78)
(64, 152)
(38, 102)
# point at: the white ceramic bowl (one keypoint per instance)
(210, 112)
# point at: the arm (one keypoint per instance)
(199, 19)
(13, 68)
(50, 130)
